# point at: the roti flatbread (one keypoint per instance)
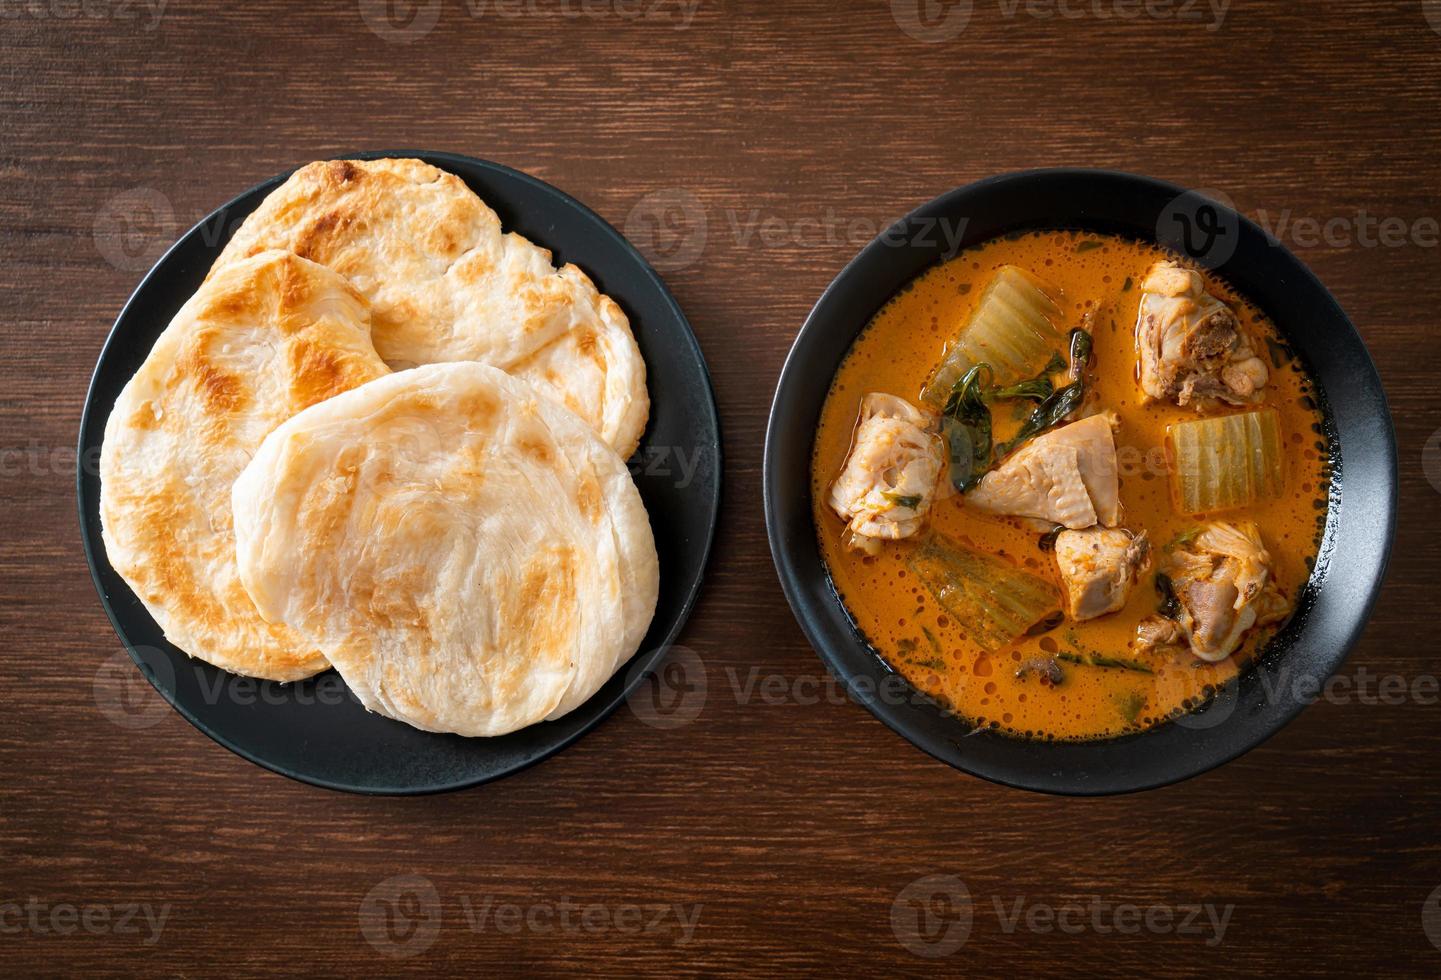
(261, 340)
(445, 284)
(470, 556)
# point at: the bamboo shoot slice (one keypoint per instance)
(1013, 329)
(992, 601)
(1226, 462)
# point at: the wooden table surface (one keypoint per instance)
(750, 147)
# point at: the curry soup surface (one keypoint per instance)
(896, 354)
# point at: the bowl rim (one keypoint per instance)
(635, 670)
(797, 578)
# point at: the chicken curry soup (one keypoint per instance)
(1067, 486)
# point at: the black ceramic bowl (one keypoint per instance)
(1355, 546)
(315, 730)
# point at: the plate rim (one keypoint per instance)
(636, 669)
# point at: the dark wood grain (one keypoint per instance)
(793, 826)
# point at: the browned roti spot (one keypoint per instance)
(478, 406)
(326, 507)
(543, 610)
(318, 372)
(144, 417)
(588, 497)
(168, 575)
(233, 305)
(294, 290)
(544, 309)
(588, 344)
(312, 240)
(424, 403)
(446, 242)
(464, 470)
(342, 172)
(476, 267)
(536, 449)
(221, 392)
(393, 602)
(237, 598)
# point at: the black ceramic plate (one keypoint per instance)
(1354, 549)
(315, 731)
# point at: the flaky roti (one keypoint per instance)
(445, 284)
(470, 556)
(261, 340)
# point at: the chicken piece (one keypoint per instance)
(1222, 583)
(1191, 347)
(1157, 631)
(889, 481)
(1098, 567)
(1066, 476)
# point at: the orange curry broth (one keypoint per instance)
(896, 354)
